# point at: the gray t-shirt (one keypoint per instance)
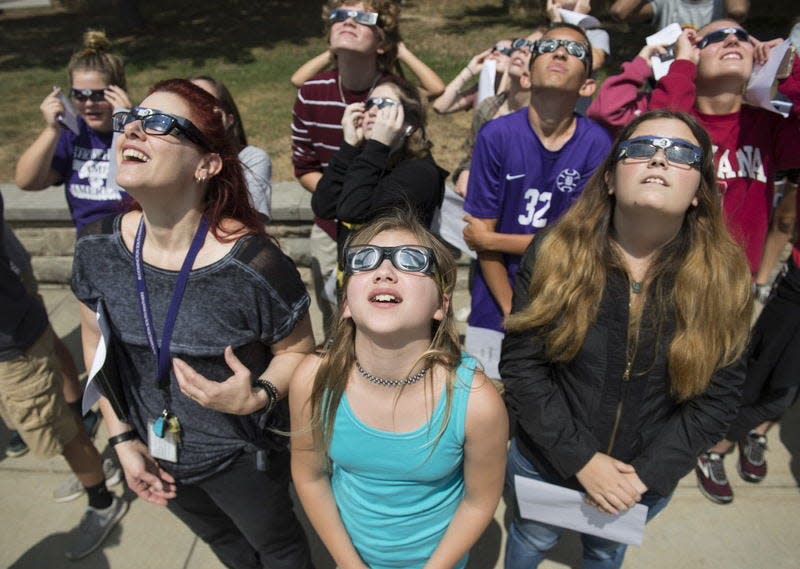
(250, 299)
(695, 12)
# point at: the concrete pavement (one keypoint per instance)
(758, 530)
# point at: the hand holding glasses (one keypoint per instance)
(158, 123)
(389, 125)
(678, 152)
(352, 124)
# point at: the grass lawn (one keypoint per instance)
(254, 46)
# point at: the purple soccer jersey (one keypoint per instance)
(82, 160)
(516, 180)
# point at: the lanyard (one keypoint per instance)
(163, 354)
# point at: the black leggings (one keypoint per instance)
(246, 516)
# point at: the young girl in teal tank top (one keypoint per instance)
(398, 440)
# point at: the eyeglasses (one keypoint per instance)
(679, 152)
(722, 35)
(407, 258)
(574, 48)
(359, 16)
(82, 95)
(158, 123)
(379, 102)
(522, 43)
(502, 49)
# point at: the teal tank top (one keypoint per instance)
(396, 498)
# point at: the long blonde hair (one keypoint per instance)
(701, 276)
(339, 357)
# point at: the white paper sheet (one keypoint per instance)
(68, 118)
(562, 507)
(585, 21)
(759, 89)
(665, 36)
(485, 345)
(448, 222)
(486, 81)
(92, 392)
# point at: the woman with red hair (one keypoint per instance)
(193, 288)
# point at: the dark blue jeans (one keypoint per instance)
(529, 541)
(246, 515)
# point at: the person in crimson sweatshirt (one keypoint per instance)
(707, 79)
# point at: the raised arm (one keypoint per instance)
(677, 91)
(631, 10)
(429, 80)
(486, 433)
(310, 472)
(34, 168)
(619, 98)
(454, 97)
(737, 9)
(311, 67)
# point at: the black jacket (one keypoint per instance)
(567, 411)
(358, 184)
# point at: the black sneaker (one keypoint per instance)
(16, 446)
(711, 478)
(752, 464)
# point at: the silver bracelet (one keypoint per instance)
(271, 391)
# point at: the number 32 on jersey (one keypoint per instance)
(537, 204)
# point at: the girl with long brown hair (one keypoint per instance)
(398, 441)
(622, 357)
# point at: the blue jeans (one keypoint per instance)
(528, 541)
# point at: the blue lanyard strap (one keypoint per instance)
(163, 354)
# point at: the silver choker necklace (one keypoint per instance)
(391, 382)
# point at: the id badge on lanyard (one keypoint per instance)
(164, 431)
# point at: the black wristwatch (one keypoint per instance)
(271, 391)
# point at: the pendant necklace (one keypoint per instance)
(636, 286)
(390, 382)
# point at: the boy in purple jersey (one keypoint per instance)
(527, 168)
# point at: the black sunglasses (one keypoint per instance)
(722, 35)
(406, 258)
(574, 48)
(82, 95)
(359, 16)
(522, 43)
(679, 152)
(379, 102)
(158, 123)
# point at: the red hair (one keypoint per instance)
(226, 195)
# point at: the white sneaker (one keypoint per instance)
(72, 489)
(94, 527)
